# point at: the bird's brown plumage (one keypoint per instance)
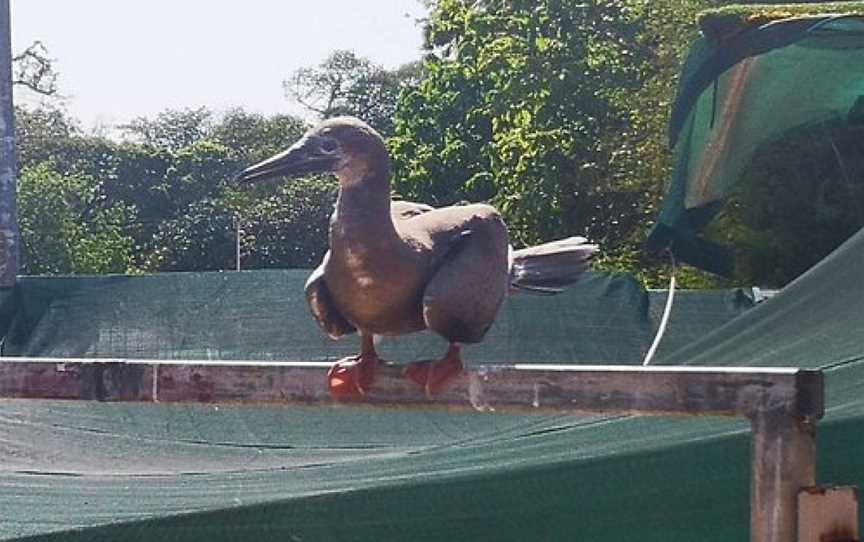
(400, 267)
(443, 269)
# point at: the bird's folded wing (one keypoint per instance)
(407, 209)
(322, 307)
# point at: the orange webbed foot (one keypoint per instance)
(433, 376)
(352, 376)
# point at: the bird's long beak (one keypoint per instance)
(300, 159)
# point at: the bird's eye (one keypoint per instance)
(329, 145)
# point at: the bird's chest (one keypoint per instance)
(360, 271)
(376, 288)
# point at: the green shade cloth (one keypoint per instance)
(262, 315)
(95, 471)
(135, 471)
(737, 96)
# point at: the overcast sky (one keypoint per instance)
(119, 59)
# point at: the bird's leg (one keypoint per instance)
(353, 376)
(433, 376)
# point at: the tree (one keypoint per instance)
(554, 111)
(40, 132)
(166, 194)
(345, 84)
(25, 69)
(798, 199)
(34, 69)
(667, 29)
(287, 227)
(165, 187)
(67, 227)
(195, 202)
(520, 105)
(253, 137)
(172, 129)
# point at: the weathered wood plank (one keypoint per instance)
(717, 391)
(783, 460)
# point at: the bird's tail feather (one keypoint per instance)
(548, 268)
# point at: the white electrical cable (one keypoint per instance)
(155, 390)
(665, 319)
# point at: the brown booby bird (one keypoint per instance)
(397, 267)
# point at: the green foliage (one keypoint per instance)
(797, 201)
(665, 37)
(164, 199)
(68, 226)
(40, 132)
(520, 105)
(201, 239)
(555, 112)
(252, 137)
(171, 129)
(346, 84)
(289, 228)
(283, 226)
(552, 110)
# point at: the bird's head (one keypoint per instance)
(345, 146)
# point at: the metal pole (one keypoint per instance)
(9, 235)
(784, 462)
(237, 240)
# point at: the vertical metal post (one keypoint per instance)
(9, 235)
(237, 232)
(784, 462)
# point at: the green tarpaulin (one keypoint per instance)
(263, 315)
(97, 471)
(740, 94)
(296, 471)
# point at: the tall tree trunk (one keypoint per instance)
(9, 234)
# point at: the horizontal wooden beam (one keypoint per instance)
(615, 389)
(783, 404)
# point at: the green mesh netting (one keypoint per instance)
(95, 471)
(741, 94)
(185, 472)
(263, 315)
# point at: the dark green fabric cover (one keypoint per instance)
(741, 94)
(96, 471)
(123, 471)
(263, 315)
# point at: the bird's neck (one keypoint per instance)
(363, 200)
(363, 210)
